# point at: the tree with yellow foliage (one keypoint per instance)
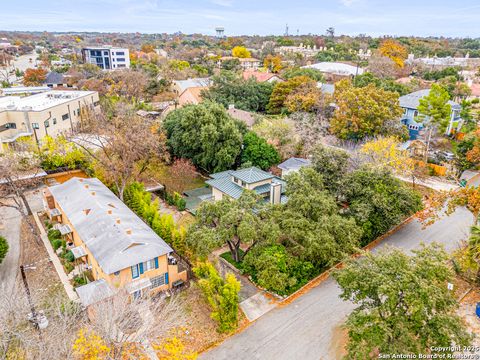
(90, 346)
(174, 349)
(273, 63)
(241, 52)
(394, 51)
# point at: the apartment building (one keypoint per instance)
(50, 113)
(119, 248)
(107, 57)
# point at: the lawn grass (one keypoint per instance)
(228, 256)
(162, 174)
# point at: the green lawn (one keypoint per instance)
(228, 256)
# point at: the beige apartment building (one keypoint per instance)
(50, 113)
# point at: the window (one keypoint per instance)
(65, 116)
(10, 126)
(35, 126)
(121, 59)
(149, 265)
(47, 123)
(116, 273)
(135, 272)
(120, 65)
(157, 281)
(244, 184)
(96, 103)
(54, 121)
(105, 53)
(120, 53)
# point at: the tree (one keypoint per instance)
(404, 305)
(148, 48)
(249, 95)
(205, 134)
(384, 153)
(332, 164)
(19, 172)
(394, 51)
(361, 112)
(34, 77)
(385, 84)
(378, 201)
(90, 346)
(222, 295)
(273, 63)
(59, 152)
(258, 152)
(3, 248)
(281, 91)
(313, 74)
(241, 52)
(122, 147)
(310, 222)
(182, 171)
(435, 106)
(306, 98)
(280, 133)
(231, 65)
(232, 222)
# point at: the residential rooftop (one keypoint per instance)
(41, 101)
(336, 68)
(116, 237)
(192, 83)
(294, 163)
(412, 100)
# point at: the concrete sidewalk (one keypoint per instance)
(72, 295)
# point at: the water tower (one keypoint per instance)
(219, 30)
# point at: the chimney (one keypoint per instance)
(117, 220)
(275, 193)
(93, 193)
(86, 186)
(109, 212)
(129, 231)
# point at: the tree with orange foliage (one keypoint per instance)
(273, 63)
(34, 77)
(148, 48)
(395, 51)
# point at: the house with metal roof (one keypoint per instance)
(232, 183)
(118, 247)
(293, 164)
(410, 103)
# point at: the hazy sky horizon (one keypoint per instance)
(246, 17)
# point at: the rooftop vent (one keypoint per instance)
(129, 231)
(109, 212)
(93, 193)
(87, 211)
(117, 220)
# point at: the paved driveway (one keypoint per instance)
(305, 328)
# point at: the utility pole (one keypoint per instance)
(29, 298)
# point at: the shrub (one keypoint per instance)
(54, 235)
(222, 295)
(79, 280)
(69, 256)
(56, 243)
(68, 267)
(3, 248)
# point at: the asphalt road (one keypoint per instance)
(11, 220)
(305, 329)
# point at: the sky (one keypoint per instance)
(458, 18)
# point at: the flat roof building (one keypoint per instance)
(107, 57)
(50, 113)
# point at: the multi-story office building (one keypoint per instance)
(50, 113)
(107, 57)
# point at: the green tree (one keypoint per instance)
(367, 78)
(310, 223)
(378, 201)
(3, 248)
(435, 106)
(362, 112)
(232, 222)
(404, 306)
(281, 91)
(222, 295)
(258, 152)
(313, 74)
(204, 133)
(229, 88)
(274, 268)
(332, 164)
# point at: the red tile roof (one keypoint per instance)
(259, 76)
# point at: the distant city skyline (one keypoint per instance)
(246, 17)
